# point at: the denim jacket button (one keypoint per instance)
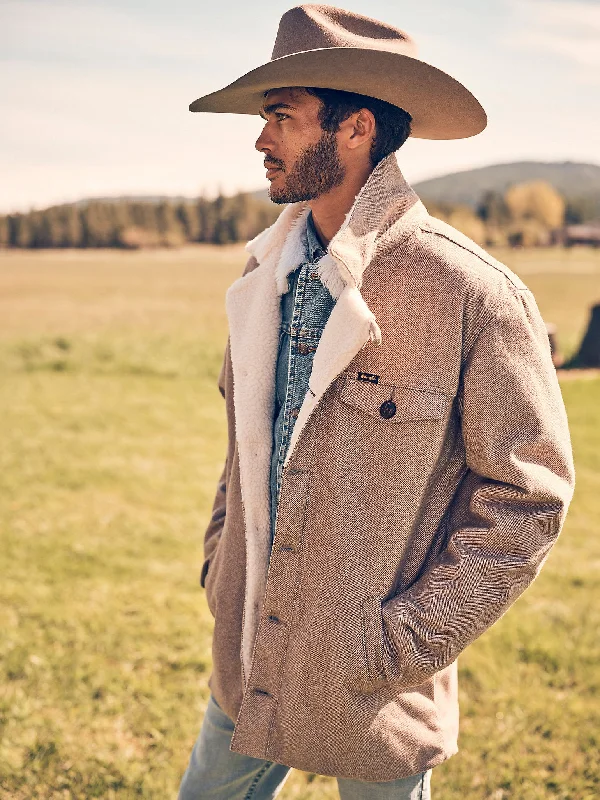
(294, 412)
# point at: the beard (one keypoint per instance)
(317, 170)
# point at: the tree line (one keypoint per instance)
(134, 224)
(526, 214)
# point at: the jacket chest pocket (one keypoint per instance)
(386, 433)
(393, 403)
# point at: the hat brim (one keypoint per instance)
(440, 106)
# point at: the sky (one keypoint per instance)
(94, 95)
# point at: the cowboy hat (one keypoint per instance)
(328, 47)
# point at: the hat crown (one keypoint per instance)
(312, 27)
(329, 47)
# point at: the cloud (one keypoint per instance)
(97, 104)
(567, 29)
(82, 32)
(92, 132)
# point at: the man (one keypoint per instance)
(399, 462)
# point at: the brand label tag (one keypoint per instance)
(368, 377)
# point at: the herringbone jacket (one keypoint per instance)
(428, 475)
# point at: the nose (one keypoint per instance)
(264, 143)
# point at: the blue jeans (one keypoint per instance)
(217, 773)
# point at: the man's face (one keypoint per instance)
(303, 160)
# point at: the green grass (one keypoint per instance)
(112, 441)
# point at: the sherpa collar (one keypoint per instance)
(383, 203)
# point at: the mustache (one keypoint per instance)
(273, 163)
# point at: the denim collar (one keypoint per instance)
(314, 248)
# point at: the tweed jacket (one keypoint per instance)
(404, 530)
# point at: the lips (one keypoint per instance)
(271, 168)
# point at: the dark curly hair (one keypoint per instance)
(393, 122)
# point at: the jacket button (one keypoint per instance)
(304, 348)
(294, 412)
(387, 409)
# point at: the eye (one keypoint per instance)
(281, 116)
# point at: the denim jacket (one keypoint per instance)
(305, 308)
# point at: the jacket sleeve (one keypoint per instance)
(217, 520)
(509, 507)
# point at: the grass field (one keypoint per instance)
(112, 441)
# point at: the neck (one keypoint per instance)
(330, 209)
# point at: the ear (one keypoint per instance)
(360, 129)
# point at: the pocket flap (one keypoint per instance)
(411, 403)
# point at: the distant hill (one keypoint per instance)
(569, 178)
(134, 198)
(262, 194)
